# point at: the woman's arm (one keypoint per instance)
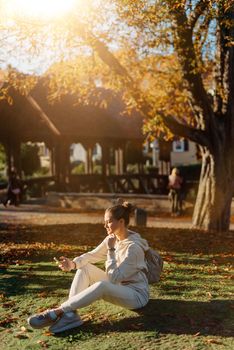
(95, 255)
(128, 267)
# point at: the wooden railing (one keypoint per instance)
(127, 183)
(97, 183)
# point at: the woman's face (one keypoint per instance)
(111, 224)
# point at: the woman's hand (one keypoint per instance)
(110, 241)
(66, 264)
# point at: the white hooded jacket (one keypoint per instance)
(125, 265)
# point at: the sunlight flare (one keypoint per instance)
(43, 9)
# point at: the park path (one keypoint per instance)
(43, 215)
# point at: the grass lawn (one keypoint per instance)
(191, 308)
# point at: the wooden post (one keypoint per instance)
(117, 170)
(90, 160)
(57, 165)
(16, 152)
(89, 155)
(52, 161)
(8, 157)
(66, 162)
(124, 157)
(105, 158)
(13, 156)
(62, 165)
(119, 161)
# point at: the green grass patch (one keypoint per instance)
(191, 308)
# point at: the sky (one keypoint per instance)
(44, 13)
(14, 53)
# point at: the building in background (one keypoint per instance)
(166, 155)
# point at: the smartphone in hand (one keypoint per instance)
(56, 260)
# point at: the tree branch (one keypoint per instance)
(187, 56)
(102, 51)
(200, 7)
(202, 32)
(43, 116)
(196, 135)
(230, 76)
(113, 63)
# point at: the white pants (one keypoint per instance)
(91, 283)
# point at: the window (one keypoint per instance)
(180, 146)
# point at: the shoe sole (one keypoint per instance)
(67, 327)
(41, 326)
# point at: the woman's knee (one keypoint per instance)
(102, 286)
(82, 272)
(85, 269)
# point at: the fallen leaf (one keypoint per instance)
(213, 341)
(137, 326)
(8, 331)
(21, 335)
(42, 294)
(7, 321)
(48, 333)
(8, 304)
(42, 343)
(3, 266)
(196, 334)
(89, 316)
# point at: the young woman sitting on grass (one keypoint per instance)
(123, 283)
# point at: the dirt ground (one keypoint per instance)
(35, 214)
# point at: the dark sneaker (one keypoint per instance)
(69, 320)
(41, 320)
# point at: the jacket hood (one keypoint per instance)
(136, 238)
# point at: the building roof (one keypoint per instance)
(21, 121)
(34, 118)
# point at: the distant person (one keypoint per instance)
(124, 281)
(175, 193)
(14, 190)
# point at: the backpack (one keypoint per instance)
(154, 264)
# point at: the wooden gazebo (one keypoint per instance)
(64, 122)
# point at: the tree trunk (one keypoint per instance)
(216, 187)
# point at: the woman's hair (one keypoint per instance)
(121, 211)
(175, 171)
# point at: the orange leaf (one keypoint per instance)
(214, 341)
(42, 295)
(47, 333)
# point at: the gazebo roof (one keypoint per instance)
(21, 121)
(33, 118)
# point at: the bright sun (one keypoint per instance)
(39, 9)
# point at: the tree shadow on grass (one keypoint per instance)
(167, 317)
(187, 317)
(21, 282)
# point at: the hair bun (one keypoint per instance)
(121, 210)
(119, 201)
(130, 207)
